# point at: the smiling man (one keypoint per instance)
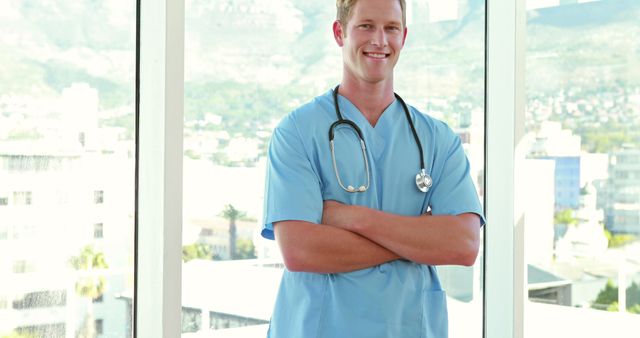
(365, 195)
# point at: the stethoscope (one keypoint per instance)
(423, 180)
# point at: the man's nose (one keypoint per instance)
(379, 38)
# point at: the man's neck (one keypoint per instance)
(371, 99)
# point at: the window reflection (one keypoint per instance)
(66, 120)
(247, 64)
(578, 181)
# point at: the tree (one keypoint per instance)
(232, 214)
(618, 240)
(246, 249)
(565, 217)
(608, 298)
(196, 251)
(90, 284)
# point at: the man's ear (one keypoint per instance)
(404, 38)
(338, 33)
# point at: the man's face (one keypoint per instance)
(371, 40)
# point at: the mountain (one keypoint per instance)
(256, 59)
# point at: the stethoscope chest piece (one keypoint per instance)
(423, 181)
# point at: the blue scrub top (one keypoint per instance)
(395, 299)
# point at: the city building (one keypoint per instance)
(65, 194)
(623, 192)
(563, 147)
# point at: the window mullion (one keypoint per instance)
(159, 175)
(504, 266)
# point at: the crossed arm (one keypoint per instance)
(354, 237)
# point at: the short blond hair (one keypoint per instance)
(344, 7)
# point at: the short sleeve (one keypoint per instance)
(454, 193)
(292, 190)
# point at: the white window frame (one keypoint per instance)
(157, 296)
(505, 273)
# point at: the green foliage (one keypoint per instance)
(565, 217)
(607, 137)
(197, 251)
(59, 75)
(619, 240)
(29, 134)
(245, 108)
(15, 334)
(245, 249)
(125, 121)
(90, 285)
(88, 258)
(191, 154)
(608, 297)
(232, 214)
(613, 307)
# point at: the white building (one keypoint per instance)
(587, 238)
(58, 194)
(535, 199)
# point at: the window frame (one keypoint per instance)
(158, 177)
(505, 269)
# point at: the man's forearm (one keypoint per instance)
(322, 248)
(425, 239)
(433, 240)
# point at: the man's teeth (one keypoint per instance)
(377, 55)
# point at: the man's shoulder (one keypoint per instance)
(308, 112)
(426, 119)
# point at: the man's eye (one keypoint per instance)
(365, 26)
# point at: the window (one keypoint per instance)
(224, 321)
(191, 320)
(99, 323)
(23, 266)
(4, 232)
(97, 230)
(22, 198)
(24, 231)
(67, 103)
(235, 96)
(98, 299)
(582, 80)
(98, 196)
(56, 330)
(40, 299)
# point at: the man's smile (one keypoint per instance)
(376, 55)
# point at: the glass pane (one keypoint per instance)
(66, 168)
(441, 72)
(247, 65)
(578, 180)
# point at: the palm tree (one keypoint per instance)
(89, 285)
(232, 214)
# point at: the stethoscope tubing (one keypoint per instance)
(422, 176)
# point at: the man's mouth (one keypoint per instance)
(376, 55)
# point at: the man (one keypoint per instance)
(358, 234)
